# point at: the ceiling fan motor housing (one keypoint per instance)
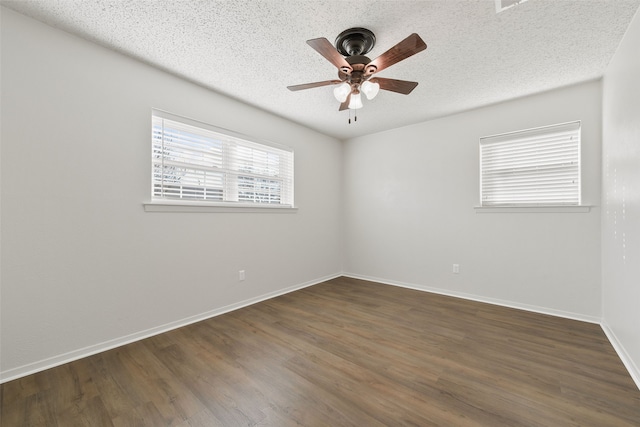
(360, 71)
(355, 41)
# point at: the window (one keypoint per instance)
(536, 167)
(198, 163)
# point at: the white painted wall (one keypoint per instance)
(409, 211)
(621, 200)
(83, 266)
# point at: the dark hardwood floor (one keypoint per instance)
(343, 353)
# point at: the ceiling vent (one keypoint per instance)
(502, 5)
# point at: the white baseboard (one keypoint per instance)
(622, 353)
(51, 362)
(478, 298)
(61, 359)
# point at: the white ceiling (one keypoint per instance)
(252, 50)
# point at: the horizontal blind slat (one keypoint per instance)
(198, 163)
(539, 166)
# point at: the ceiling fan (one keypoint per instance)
(356, 71)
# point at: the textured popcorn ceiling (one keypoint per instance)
(252, 50)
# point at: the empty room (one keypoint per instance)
(319, 213)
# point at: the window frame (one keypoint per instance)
(229, 194)
(537, 206)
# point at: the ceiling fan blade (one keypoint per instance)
(312, 85)
(345, 104)
(326, 49)
(400, 86)
(406, 48)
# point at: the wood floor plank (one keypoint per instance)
(89, 412)
(345, 352)
(289, 391)
(173, 400)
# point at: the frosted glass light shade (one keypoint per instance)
(342, 91)
(356, 101)
(370, 89)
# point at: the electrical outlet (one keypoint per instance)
(456, 268)
(241, 275)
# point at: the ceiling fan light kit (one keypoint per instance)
(370, 89)
(355, 102)
(355, 70)
(342, 91)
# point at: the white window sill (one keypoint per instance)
(178, 206)
(533, 209)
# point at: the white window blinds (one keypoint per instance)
(536, 167)
(193, 161)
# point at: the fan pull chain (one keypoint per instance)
(355, 116)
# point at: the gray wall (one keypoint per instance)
(409, 211)
(84, 267)
(621, 200)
